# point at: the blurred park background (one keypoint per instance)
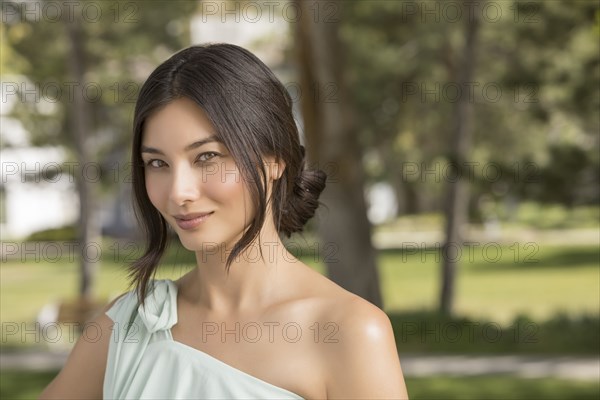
(461, 142)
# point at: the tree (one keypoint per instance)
(88, 60)
(80, 117)
(331, 138)
(541, 58)
(456, 210)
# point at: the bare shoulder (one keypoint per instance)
(359, 321)
(362, 361)
(82, 376)
(344, 306)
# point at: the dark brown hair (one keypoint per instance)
(251, 111)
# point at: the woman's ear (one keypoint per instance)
(275, 168)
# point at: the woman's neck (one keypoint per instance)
(251, 283)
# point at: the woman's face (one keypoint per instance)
(188, 172)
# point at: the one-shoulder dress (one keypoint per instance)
(144, 362)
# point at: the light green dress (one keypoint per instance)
(144, 362)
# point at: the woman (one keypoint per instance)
(217, 160)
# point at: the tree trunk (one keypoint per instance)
(80, 121)
(331, 141)
(411, 197)
(458, 191)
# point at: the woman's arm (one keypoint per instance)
(364, 364)
(82, 377)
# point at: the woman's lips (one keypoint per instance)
(187, 224)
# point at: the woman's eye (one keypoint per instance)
(207, 156)
(154, 163)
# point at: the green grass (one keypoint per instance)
(28, 385)
(499, 387)
(552, 216)
(539, 281)
(24, 384)
(526, 215)
(531, 285)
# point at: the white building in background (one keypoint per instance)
(382, 205)
(32, 206)
(37, 192)
(29, 206)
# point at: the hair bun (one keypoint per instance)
(304, 200)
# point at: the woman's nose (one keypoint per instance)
(184, 186)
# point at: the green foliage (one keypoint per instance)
(65, 233)
(24, 385)
(121, 48)
(435, 333)
(540, 57)
(570, 177)
(552, 216)
(499, 387)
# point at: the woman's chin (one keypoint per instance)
(196, 244)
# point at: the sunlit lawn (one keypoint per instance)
(28, 385)
(551, 280)
(499, 387)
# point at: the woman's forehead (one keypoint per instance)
(181, 122)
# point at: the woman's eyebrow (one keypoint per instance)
(192, 146)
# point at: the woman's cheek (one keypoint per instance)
(223, 185)
(217, 191)
(227, 188)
